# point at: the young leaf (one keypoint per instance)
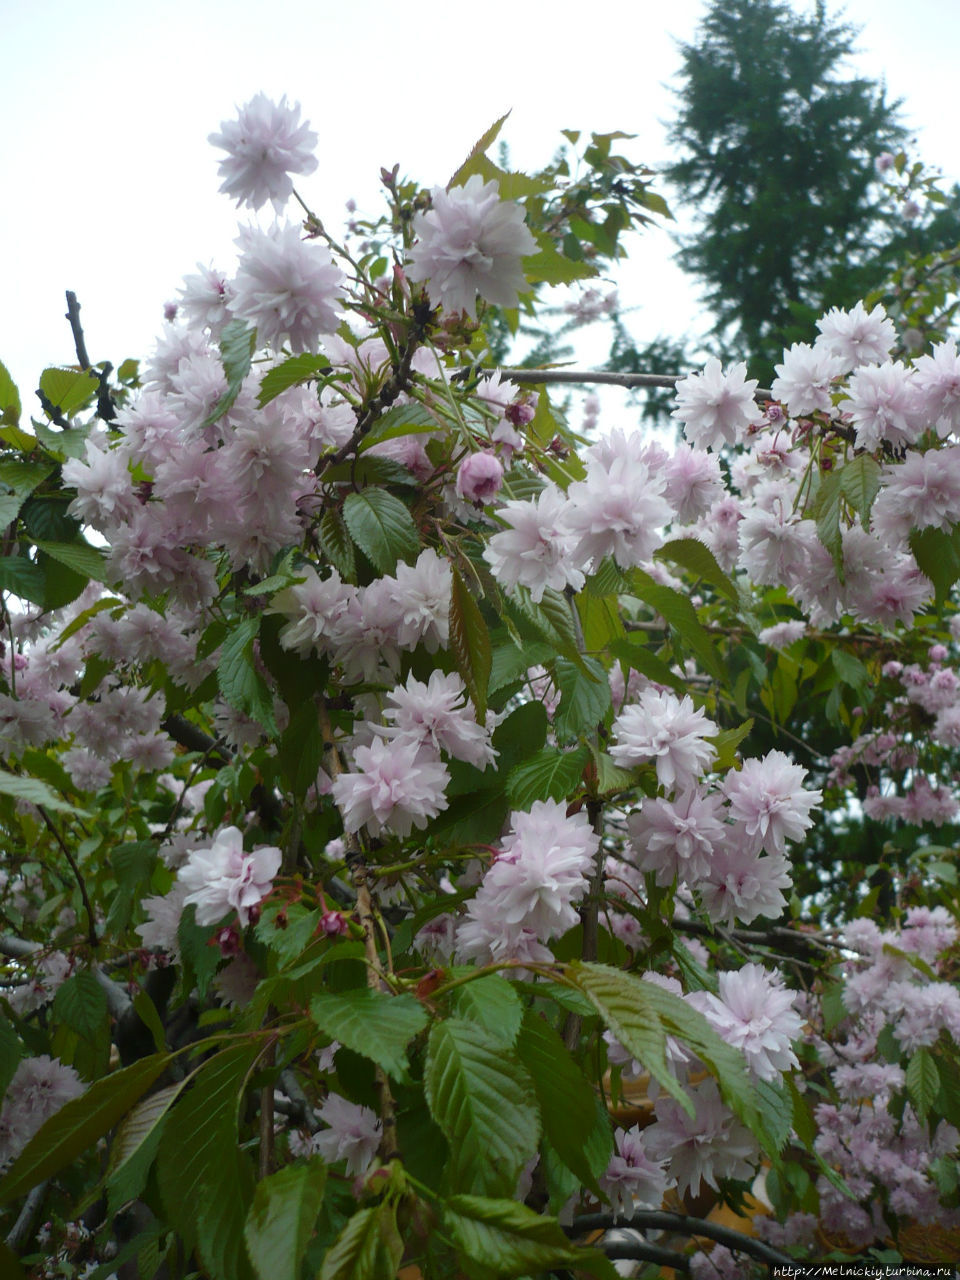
(302, 368)
(682, 617)
(584, 698)
(79, 556)
(236, 353)
(491, 1003)
(696, 556)
(483, 1099)
(35, 792)
(354, 1253)
(9, 399)
(82, 1004)
(240, 682)
(923, 1081)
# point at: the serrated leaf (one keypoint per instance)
(825, 509)
(9, 399)
(282, 1218)
(860, 480)
(353, 1255)
(289, 373)
(549, 775)
(79, 556)
(470, 641)
(36, 792)
(336, 544)
(486, 139)
(69, 443)
(78, 1124)
(236, 353)
(584, 698)
(547, 266)
(696, 556)
(69, 389)
(624, 1004)
(81, 1003)
(491, 1003)
(725, 745)
(850, 669)
(567, 1102)
(483, 1100)
(923, 1081)
(239, 681)
(509, 1239)
(375, 1025)
(382, 528)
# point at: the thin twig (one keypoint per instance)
(87, 905)
(73, 315)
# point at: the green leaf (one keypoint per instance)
(382, 528)
(282, 1218)
(938, 557)
(68, 390)
(547, 266)
(825, 509)
(625, 1005)
(23, 476)
(923, 1081)
(81, 1003)
(10, 504)
(9, 399)
(236, 353)
(134, 1147)
(696, 556)
(483, 1100)
(511, 1240)
(205, 1181)
(850, 669)
(71, 443)
(677, 610)
(725, 744)
(549, 775)
(486, 139)
(402, 420)
(239, 681)
(302, 368)
(36, 792)
(78, 1124)
(23, 577)
(491, 1003)
(336, 544)
(79, 556)
(376, 1025)
(860, 480)
(470, 641)
(634, 653)
(567, 1102)
(61, 584)
(353, 1255)
(584, 698)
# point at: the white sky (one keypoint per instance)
(110, 187)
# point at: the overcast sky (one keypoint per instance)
(110, 187)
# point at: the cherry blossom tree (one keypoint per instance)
(426, 829)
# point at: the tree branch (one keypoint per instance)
(22, 1229)
(663, 1220)
(87, 905)
(587, 377)
(73, 315)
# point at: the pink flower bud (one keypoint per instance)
(479, 477)
(228, 940)
(333, 923)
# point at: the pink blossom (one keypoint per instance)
(535, 550)
(353, 1134)
(264, 145)
(287, 288)
(224, 878)
(632, 1180)
(755, 1013)
(711, 1144)
(470, 242)
(768, 797)
(393, 788)
(439, 714)
(857, 337)
(804, 379)
(716, 408)
(661, 727)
